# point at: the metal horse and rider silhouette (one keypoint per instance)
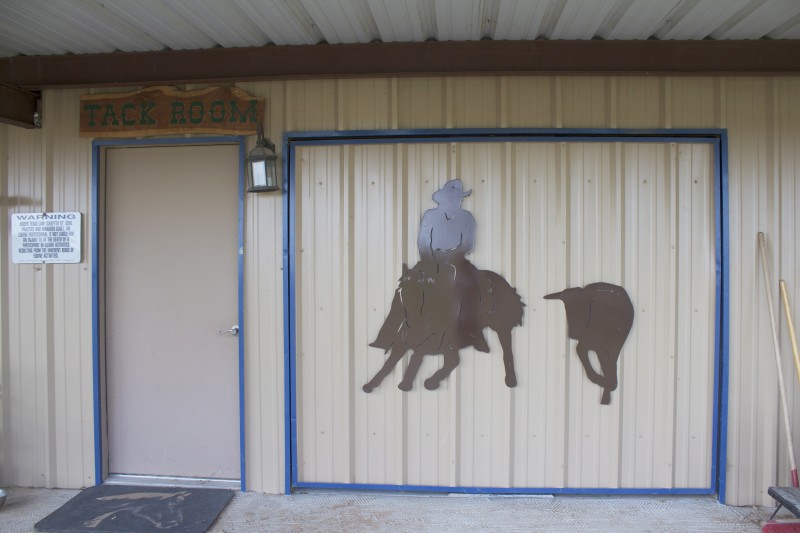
(443, 304)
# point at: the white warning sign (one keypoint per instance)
(46, 237)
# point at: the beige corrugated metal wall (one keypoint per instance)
(47, 347)
(46, 320)
(549, 216)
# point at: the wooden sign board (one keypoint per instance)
(166, 111)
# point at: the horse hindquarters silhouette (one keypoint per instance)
(599, 317)
(425, 319)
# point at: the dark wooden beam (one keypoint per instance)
(217, 65)
(17, 106)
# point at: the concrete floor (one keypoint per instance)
(369, 511)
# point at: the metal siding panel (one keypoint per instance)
(639, 102)
(48, 418)
(22, 443)
(474, 102)
(431, 419)
(682, 342)
(782, 249)
(311, 105)
(692, 102)
(364, 104)
(485, 400)
(529, 102)
(754, 407)
(539, 415)
(703, 294)
(421, 103)
(583, 102)
(317, 337)
(71, 303)
(375, 227)
(263, 328)
(4, 287)
(787, 166)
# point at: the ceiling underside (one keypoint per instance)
(48, 27)
(95, 43)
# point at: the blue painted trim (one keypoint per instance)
(499, 138)
(499, 134)
(96, 388)
(97, 385)
(717, 308)
(718, 140)
(289, 299)
(723, 319)
(502, 490)
(170, 141)
(290, 435)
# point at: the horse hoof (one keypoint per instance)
(431, 384)
(367, 388)
(405, 386)
(511, 381)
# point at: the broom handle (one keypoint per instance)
(777, 346)
(790, 323)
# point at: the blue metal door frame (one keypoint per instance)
(716, 138)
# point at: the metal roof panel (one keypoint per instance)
(45, 27)
(520, 19)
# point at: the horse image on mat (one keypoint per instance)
(444, 303)
(162, 510)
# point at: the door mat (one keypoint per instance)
(107, 508)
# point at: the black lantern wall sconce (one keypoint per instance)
(262, 165)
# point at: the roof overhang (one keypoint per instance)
(21, 76)
(227, 65)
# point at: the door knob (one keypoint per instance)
(233, 331)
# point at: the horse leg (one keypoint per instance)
(394, 358)
(411, 371)
(508, 357)
(608, 363)
(451, 360)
